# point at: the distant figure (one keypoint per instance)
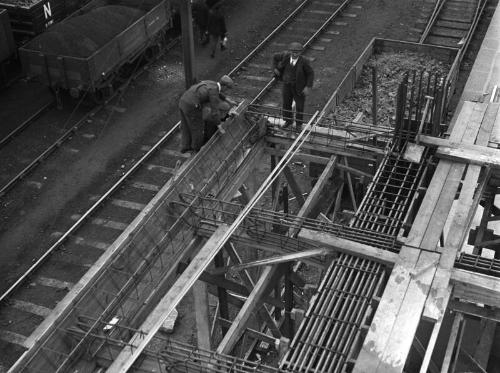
(191, 109)
(199, 9)
(297, 76)
(216, 29)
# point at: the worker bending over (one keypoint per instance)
(207, 93)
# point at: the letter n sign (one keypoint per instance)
(47, 11)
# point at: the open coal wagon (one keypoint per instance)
(88, 51)
(7, 44)
(31, 17)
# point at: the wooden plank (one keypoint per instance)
(451, 343)
(314, 195)
(252, 332)
(476, 287)
(231, 286)
(297, 192)
(427, 363)
(486, 339)
(389, 338)
(408, 318)
(480, 155)
(238, 326)
(200, 296)
(435, 305)
(475, 310)
(175, 294)
(347, 246)
(440, 292)
(247, 280)
(319, 159)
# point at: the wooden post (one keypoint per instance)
(274, 184)
(451, 343)
(187, 42)
(288, 322)
(285, 199)
(374, 96)
(200, 295)
(222, 293)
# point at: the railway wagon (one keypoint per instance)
(31, 17)
(88, 66)
(377, 46)
(446, 55)
(7, 45)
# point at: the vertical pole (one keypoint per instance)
(274, 184)
(288, 322)
(187, 42)
(285, 199)
(374, 95)
(222, 293)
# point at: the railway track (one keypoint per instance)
(313, 18)
(314, 23)
(23, 148)
(453, 23)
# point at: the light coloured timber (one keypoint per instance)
(95, 277)
(172, 298)
(476, 287)
(315, 194)
(474, 309)
(389, 338)
(239, 323)
(465, 153)
(466, 207)
(348, 246)
(409, 315)
(202, 315)
(319, 159)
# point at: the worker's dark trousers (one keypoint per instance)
(191, 127)
(290, 94)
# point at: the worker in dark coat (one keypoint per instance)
(297, 76)
(217, 30)
(190, 106)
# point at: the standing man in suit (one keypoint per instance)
(297, 76)
(191, 106)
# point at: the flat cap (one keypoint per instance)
(226, 81)
(296, 47)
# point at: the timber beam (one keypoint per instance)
(213, 279)
(320, 160)
(347, 246)
(473, 309)
(388, 342)
(476, 287)
(465, 153)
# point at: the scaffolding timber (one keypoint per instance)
(385, 272)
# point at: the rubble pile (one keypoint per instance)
(390, 67)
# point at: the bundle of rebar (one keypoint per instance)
(333, 325)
